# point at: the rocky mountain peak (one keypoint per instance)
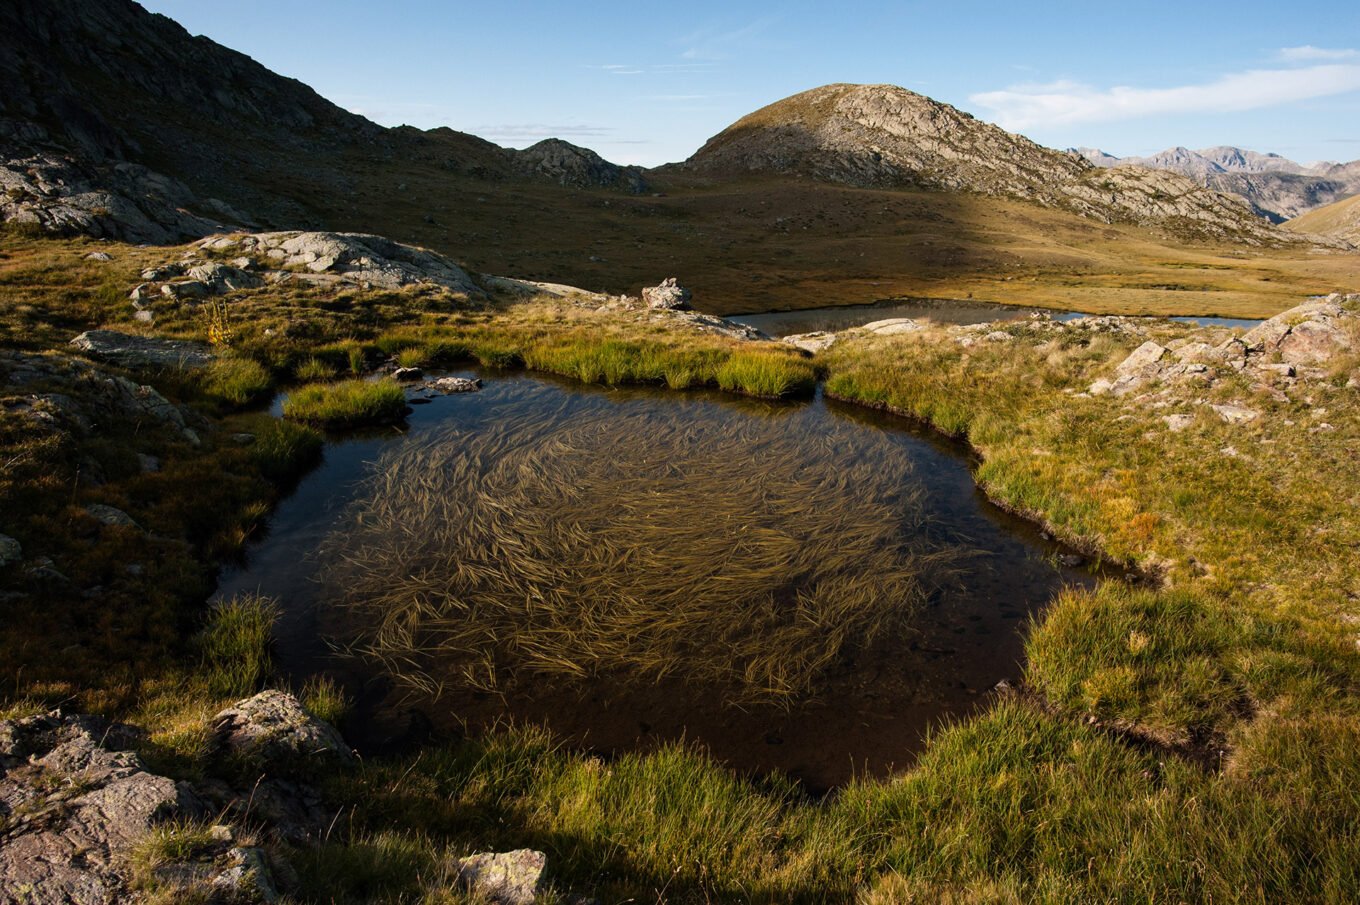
(886, 136)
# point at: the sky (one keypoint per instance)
(648, 83)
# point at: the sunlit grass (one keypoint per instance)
(347, 403)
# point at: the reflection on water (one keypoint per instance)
(898, 494)
(943, 311)
(812, 320)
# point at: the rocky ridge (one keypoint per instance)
(882, 135)
(1276, 188)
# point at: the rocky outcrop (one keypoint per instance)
(668, 295)
(273, 728)
(73, 804)
(60, 195)
(882, 135)
(505, 878)
(131, 351)
(1300, 344)
(62, 394)
(333, 259)
(1313, 333)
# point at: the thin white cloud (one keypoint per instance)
(1027, 106)
(1310, 54)
(716, 44)
(526, 131)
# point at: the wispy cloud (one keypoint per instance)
(1310, 54)
(655, 68)
(1058, 103)
(721, 43)
(527, 131)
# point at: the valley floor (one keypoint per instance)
(1193, 736)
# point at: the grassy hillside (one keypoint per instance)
(1339, 220)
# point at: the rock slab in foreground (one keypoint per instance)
(131, 351)
(506, 878)
(73, 808)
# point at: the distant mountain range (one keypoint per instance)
(1277, 188)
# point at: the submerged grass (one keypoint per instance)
(626, 543)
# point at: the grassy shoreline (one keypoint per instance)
(1089, 786)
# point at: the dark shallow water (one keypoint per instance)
(868, 713)
(831, 320)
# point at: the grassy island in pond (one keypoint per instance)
(348, 403)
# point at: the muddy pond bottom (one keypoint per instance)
(802, 587)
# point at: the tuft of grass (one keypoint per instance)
(236, 381)
(312, 369)
(283, 451)
(346, 404)
(235, 646)
(324, 699)
(767, 374)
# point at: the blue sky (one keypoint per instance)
(648, 83)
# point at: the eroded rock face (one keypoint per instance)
(130, 351)
(274, 728)
(73, 806)
(669, 295)
(505, 878)
(355, 259)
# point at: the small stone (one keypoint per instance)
(505, 878)
(111, 516)
(10, 551)
(99, 256)
(811, 342)
(1149, 353)
(1236, 414)
(407, 374)
(243, 439)
(149, 464)
(274, 727)
(455, 384)
(1071, 560)
(186, 289)
(1179, 422)
(144, 317)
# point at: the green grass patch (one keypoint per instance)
(767, 374)
(236, 381)
(348, 403)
